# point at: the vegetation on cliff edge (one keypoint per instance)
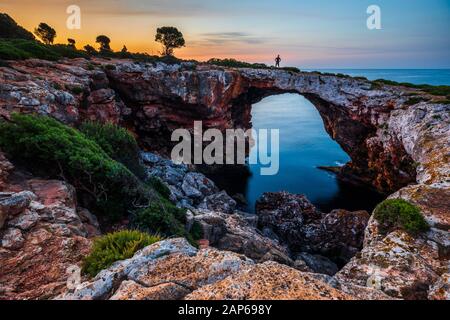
(400, 214)
(104, 185)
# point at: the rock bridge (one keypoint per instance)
(394, 135)
(391, 142)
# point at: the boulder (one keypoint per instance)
(295, 221)
(197, 186)
(234, 233)
(218, 202)
(11, 204)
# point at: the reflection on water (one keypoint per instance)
(304, 145)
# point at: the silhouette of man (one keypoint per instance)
(277, 61)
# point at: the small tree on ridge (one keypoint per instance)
(171, 38)
(46, 33)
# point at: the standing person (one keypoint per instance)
(277, 61)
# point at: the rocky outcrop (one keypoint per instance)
(337, 235)
(402, 265)
(172, 269)
(43, 238)
(238, 233)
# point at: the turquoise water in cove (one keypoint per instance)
(304, 145)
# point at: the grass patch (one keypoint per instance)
(434, 90)
(400, 214)
(114, 247)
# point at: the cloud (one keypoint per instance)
(219, 38)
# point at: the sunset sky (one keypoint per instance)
(307, 33)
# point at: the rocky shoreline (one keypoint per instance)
(287, 250)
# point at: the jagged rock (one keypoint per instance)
(338, 235)
(218, 202)
(5, 168)
(234, 233)
(402, 265)
(297, 223)
(45, 236)
(441, 289)
(150, 158)
(11, 204)
(104, 106)
(172, 269)
(12, 239)
(197, 186)
(103, 285)
(318, 264)
(206, 267)
(399, 265)
(269, 281)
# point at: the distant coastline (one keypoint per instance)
(415, 76)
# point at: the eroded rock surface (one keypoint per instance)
(43, 236)
(172, 269)
(337, 235)
(403, 265)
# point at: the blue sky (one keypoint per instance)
(307, 33)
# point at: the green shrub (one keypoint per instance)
(114, 247)
(291, 69)
(233, 63)
(400, 214)
(67, 51)
(47, 146)
(161, 217)
(17, 49)
(10, 52)
(117, 142)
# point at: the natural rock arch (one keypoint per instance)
(385, 138)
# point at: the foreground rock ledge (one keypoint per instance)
(173, 269)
